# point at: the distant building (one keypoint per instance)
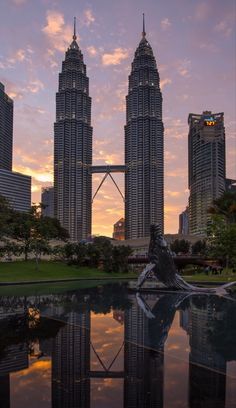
(230, 185)
(184, 223)
(206, 151)
(6, 129)
(119, 230)
(16, 188)
(47, 199)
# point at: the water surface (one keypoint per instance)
(106, 347)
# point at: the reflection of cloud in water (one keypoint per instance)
(107, 336)
(107, 393)
(32, 387)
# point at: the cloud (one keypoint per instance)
(20, 55)
(169, 157)
(178, 172)
(115, 57)
(13, 90)
(165, 24)
(88, 17)
(164, 82)
(58, 33)
(92, 51)
(224, 28)
(173, 193)
(208, 47)
(183, 67)
(50, 58)
(35, 86)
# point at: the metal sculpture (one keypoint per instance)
(161, 264)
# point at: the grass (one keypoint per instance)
(200, 277)
(21, 271)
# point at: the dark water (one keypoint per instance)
(104, 347)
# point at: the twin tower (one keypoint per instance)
(144, 146)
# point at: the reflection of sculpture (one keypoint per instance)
(162, 265)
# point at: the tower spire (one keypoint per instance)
(74, 36)
(144, 32)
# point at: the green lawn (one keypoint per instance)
(21, 271)
(200, 277)
(26, 271)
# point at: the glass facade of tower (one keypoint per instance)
(206, 149)
(6, 129)
(144, 134)
(73, 146)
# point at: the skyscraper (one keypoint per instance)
(73, 146)
(47, 199)
(144, 134)
(15, 187)
(206, 151)
(6, 129)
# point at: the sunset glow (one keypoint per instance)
(194, 46)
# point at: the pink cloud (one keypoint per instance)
(88, 17)
(115, 57)
(165, 24)
(164, 82)
(58, 33)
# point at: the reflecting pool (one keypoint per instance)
(105, 346)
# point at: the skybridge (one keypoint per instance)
(107, 170)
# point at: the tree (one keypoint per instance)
(34, 230)
(221, 240)
(103, 248)
(120, 256)
(225, 206)
(6, 215)
(199, 248)
(221, 230)
(9, 249)
(180, 246)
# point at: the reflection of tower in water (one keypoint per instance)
(14, 357)
(143, 384)
(71, 363)
(207, 368)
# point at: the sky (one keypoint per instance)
(194, 43)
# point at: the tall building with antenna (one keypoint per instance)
(144, 140)
(73, 146)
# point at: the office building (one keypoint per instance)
(47, 199)
(206, 154)
(184, 222)
(144, 133)
(16, 188)
(6, 129)
(119, 230)
(73, 146)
